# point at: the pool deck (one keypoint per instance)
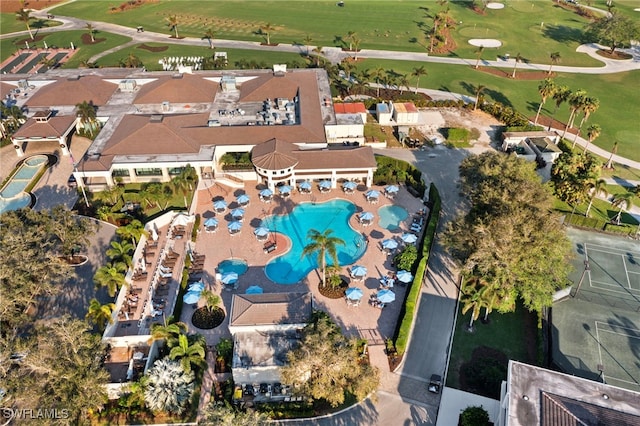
(363, 321)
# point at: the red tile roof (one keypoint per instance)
(270, 308)
(71, 92)
(188, 88)
(350, 108)
(53, 128)
(273, 155)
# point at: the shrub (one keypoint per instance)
(406, 258)
(474, 416)
(454, 134)
(390, 171)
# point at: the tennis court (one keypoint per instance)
(596, 331)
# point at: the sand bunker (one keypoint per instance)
(495, 6)
(485, 42)
(637, 9)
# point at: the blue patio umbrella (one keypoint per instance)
(409, 238)
(349, 185)
(372, 193)
(306, 185)
(196, 287)
(366, 216)
(392, 189)
(234, 226)
(358, 271)
(386, 296)
(237, 213)
(261, 231)
(266, 192)
(243, 199)
(254, 289)
(229, 278)
(404, 276)
(191, 297)
(284, 189)
(389, 244)
(354, 293)
(220, 205)
(325, 184)
(211, 222)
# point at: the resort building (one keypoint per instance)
(535, 396)
(157, 123)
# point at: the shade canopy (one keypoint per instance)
(305, 185)
(354, 293)
(229, 278)
(234, 226)
(372, 193)
(154, 233)
(386, 296)
(243, 199)
(367, 216)
(284, 189)
(196, 287)
(237, 213)
(325, 184)
(191, 297)
(389, 244)
(409, 238)
(266, 193)
(211, 222)
(358, 271)
(261, 232)
(404, 276)
(220, 205)
(254, 289)
(181, 220)
(349, 185)
(392, 189)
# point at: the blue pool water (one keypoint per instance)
(391, 217)
(12, 196)
(238, 266)
(290, 268)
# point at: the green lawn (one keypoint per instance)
(621, 172)
(617, 114)
(64, 39)
(388, 25)
(10, 24)
(150, 59)
(507, 333)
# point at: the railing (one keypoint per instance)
(230, 177)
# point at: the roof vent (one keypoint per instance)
(73, 78)
(94, 156)
(279, 70)
(156, 118)
(128, 85)
(176, 75)
(42, 116)
(166, 106)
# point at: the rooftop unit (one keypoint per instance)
(156, 118)
(128, 85)
(228, 83)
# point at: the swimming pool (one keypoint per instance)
(391, 217)
(239, 266)
(290, 268)
(12, 196)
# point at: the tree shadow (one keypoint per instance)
(562, 33)
(498, 97)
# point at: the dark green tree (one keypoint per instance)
(474, 416)
(614, 30)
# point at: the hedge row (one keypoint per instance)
(408, 309)
(392, 171)
(600, 225)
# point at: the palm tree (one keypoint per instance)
(355, 41)
(595, 188)
(47, 62)
(134, 230)
(307, 42)
(322, 243)
(479, 51)
(24, 15)
(621, 201)
(318, 52)
(378, 74)
(91, 30)
(169, 387)
(479, 89)
(188, 353)
(100, 314)
(588, 106)
(471, 298)
(437, 20)
(210, 34)
(576, 100)
(546, 88)
(350, 36)
(418, 72)
(169, 331)
(614, 151)
(593, 131)
(403, 82)
(266, 29)
(561, 95)
(211, 300)
(179, 183)
(120, 251)
(517, 60)
(555, 58)
(131, 61)
(111, 277)
(86, 112)
(172, 22)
